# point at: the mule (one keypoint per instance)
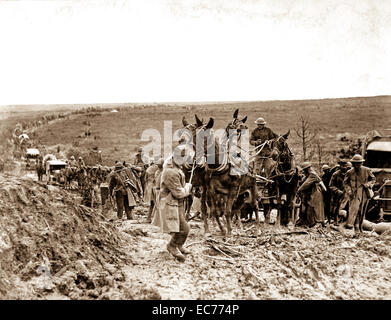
(225, 182)
(284, 174)
(190, 135)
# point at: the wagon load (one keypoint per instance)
(377, 154)
(31, 156)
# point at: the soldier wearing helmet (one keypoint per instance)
(312, 198)
(73, 162)
(261, 133)
(338, 195)
(140, 164)
(358, 184)
(258, 136)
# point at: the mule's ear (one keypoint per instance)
(285, 136)
(210, 123)
(244, 119)
(185, 122)
(235, 116)
(199, 122)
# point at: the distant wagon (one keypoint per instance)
(54, 170)
(377, 154)
(31, 156)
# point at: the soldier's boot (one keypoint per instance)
(119, 214)
(149, 217)
(181, 239)
(171, 248)
(351, 219)
(130, 214)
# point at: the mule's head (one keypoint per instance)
(281, 142)
(191, 131)
(285, 154)
(236, 125)
(195, 133)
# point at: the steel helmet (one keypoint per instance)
(306, 165)
(325, 167)
(260, 121)
(357, 158)
(72, 158)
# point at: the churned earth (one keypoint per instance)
(53, 248)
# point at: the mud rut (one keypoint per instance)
(310, 264)
(322, 264)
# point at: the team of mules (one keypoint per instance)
(222, 169)
(228, 181)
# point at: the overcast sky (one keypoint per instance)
(179, 50)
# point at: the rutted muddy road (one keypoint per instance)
(51, 247)
(319, 264)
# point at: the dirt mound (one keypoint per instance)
(50, 245)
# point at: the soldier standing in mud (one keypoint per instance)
(156, 188)
(149, 192)
(120, 189)
(312, 198)
(336, 186)
(170, 216)
(141, 166)
(358, 183)
(259, 135)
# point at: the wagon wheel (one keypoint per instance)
(373, 211)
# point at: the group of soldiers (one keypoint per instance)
(164, 190)
(343, 194)
(342, 191)
(131, 184)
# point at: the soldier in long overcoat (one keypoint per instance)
(358, 184)
(170, 216)
(338, 195)
(155, 188)
(312, 197)
(121, 188)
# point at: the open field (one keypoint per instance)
(118, 134)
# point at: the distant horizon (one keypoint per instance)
(189, 102)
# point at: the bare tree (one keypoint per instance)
(303, 131)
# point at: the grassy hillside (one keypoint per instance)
(118, 134)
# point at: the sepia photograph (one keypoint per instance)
(195, 150)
